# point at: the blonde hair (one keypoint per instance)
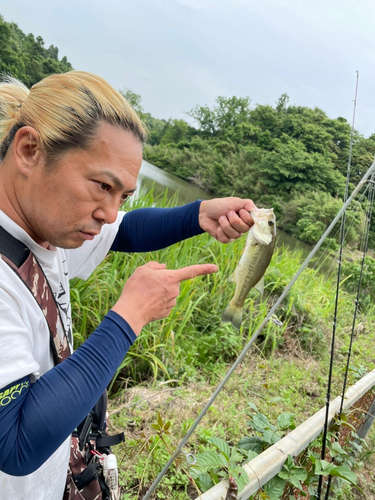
(65, 109)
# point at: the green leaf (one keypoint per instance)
(357, 438)
(344, 473)
(336, 449)
(286, 421)
(221, 445)
(241, 477)
(209, 460)
(253, 443)
(323, 468)
(275, 488)
(271, 437)
(297, 473)
(260, 422)
(235, 456)
(355, 445)
(347, 424)
(204, 481)
(253, 407)
(250, 455)
(289, 463)
(295, 482)
(312, 490)
(293, 473)
(275, 400)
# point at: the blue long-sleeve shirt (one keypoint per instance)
(37, 417)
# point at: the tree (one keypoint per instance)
(228, 112)
(133, 99)
(25, 57)
(175, 131)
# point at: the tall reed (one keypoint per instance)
(193, 339)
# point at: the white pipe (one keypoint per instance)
(266, 465)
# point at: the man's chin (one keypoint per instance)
(67, 243)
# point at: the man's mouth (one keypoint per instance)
(88, 235)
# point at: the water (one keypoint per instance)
(153, 177)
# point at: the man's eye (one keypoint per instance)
(104, 186)
(124, 197)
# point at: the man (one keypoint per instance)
(71, 151)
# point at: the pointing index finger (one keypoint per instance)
(189, 272)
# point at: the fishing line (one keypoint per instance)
(178, 450)
(333, 339)
(325, 255)
(366, 232)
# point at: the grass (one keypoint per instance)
(177, 362)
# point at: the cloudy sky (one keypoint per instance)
(180, 53)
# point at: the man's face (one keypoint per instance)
(69, 202)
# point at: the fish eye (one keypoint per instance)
(271, 223)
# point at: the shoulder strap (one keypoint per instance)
(26, 266)
(14, 249)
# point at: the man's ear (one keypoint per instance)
(26, 151)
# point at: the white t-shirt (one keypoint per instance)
(25, 342)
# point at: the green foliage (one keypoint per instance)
(351, 272)
(175, 132)
(293, 473)
(133, 99)
(228, 112)
(299, 474)
(308, 215)
(169, 349)
(153, 449)
(274, 155)
(25, 57)
(212, 466)
(267, 433)
(155, 128)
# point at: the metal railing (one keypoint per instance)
(269, 463)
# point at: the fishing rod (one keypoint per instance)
(178, 450)
(342, 228)
(333, 339)
(356, 302)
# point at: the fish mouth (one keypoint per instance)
(263, 213)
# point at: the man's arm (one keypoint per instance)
(37, 418)
(43, 414)
(149, 229)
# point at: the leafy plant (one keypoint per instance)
(268, 434)
(223, 462)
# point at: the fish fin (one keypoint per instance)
(260, 285)
(262, 238)
(232, 315)
(233, 277)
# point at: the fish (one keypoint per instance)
(257, 255)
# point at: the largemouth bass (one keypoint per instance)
(249, 273)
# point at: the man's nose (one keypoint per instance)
(107, 212)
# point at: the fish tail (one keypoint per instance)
(233, 314)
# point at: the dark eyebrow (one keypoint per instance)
(115, 180)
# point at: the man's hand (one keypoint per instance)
(226, 219)
(151, 292)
